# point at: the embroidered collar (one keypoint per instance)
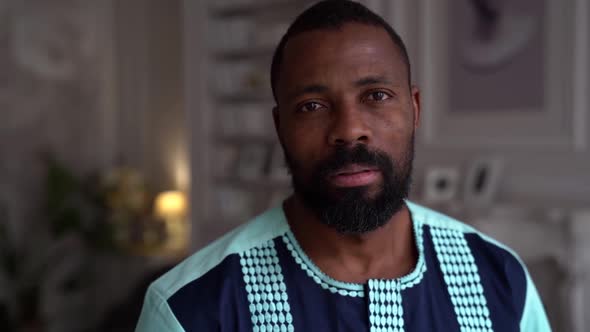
(356, 289)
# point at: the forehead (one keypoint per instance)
(351, 50)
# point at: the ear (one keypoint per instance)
(415, 92)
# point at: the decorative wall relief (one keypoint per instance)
(45, 44)
(497, 49)
(496, 31)
(499, 73)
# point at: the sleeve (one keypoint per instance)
(156, 315)
(533, 318)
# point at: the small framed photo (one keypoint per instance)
(268, 35)
(251, 161)
(230, 35)
(482, 182)
(226, 157)
(255, 120)
(232, 204)
(441, 184)
(278, 167)
(226, 120)
(230, 78)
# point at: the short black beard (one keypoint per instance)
(356, 210)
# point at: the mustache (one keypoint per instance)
(359, 154)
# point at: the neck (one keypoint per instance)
(385, 253)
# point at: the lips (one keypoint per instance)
(354, 176)
(353, 169)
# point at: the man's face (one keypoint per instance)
(346, 117)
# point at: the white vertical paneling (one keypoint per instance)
(108, 108)
(581, 74)
(375, 5)
(430, 21)
(580, 285)
(197, 107)
(402, 14)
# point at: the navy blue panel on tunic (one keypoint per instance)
(317, 309)
(503, 280)
(214, 302)
(427, 305)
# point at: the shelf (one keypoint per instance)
(243, 139)
(242, 98)
(251, 53)
(256, 184)
(247, 148)
(256, 7)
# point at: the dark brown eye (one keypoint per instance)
(378, 96)
(310, 107)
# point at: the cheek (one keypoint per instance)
(395, 125)
(302, 145)
(304, 134)
(393, 133)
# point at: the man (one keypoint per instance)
(346, 252)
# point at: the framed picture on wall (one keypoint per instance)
(503, 73)
(482, 182)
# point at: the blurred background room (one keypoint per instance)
(133, 133)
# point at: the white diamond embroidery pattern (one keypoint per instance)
(462, 279)
(265, 286)
(385, 306)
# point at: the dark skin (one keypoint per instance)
(337, 87)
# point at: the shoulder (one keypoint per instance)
(491, 255)
(208, 275)
(261, 229)
(502, 271)
(498, 265)
(477, 240)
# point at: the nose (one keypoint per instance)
(348, 126)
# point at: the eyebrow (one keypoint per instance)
(371, 80)
(318, 88)
(313, 88)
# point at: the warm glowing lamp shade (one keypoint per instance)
(171, 204)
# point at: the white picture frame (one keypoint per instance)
(251, 161)
(559, 122)
(441, 185)
(482, 181)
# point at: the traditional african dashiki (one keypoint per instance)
(257, 278)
